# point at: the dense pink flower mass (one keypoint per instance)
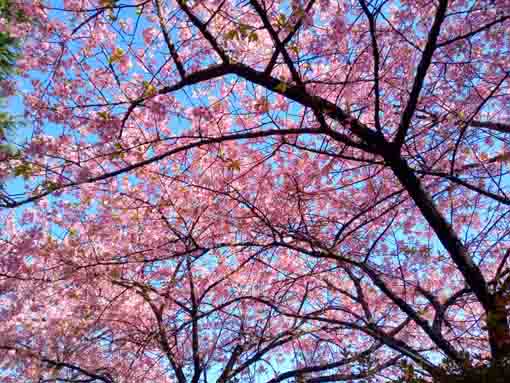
(257, 191)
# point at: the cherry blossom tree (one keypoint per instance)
(257, 191)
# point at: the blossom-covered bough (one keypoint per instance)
(257, 191)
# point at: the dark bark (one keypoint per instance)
(494, 306)
(497, 374)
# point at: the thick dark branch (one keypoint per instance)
(274, 36)
(168, 40)
(202, 27)
(474, 32)
(72, 367)
(372, 330)
(277, 342)
(162, 334)
(421, 73)
(497, 126)
(179, 149)
(234, 358)
(504, 200)
(360, 294)
(89, 19)
(437, 338)
(441, 227)
(197, 370)
(372, 140)
(324, 367)
(295, 28)
(203, 75)
(376, 56)
(355, 376)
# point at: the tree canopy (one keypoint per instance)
(9, 51)
(256, 191)
(7, 42)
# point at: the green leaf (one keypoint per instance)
(253, 37)
(232, 35)
(117, 55)
(50, 186)
(281, 20)
(115, 273)
(300, 12)
(234, 165)
(108, 3)
(119, 151)
(150, 90)
(281, 87)
(104, 115)
(24, 170)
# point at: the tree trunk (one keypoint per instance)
(479, 375)
(499, 331)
